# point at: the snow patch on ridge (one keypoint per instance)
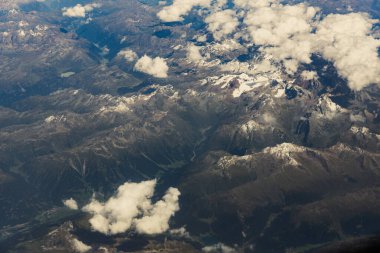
(285, 152)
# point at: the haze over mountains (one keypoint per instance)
(189, 126)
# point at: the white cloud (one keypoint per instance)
(71, 203)
(79, 11)
(345, 40)
(156, 219)
(286, 33)
(128, 55)
(357, 118)
(218, 248)
(180, 232)
(80, 246)
(290, 34)
(179, 8)
(221, 3)
(222, 23)
(283, 32)
(201, 38)
(268, 119)
(131, 208)
(236, 67)
(254, 4)
(193, 54)
(156, 67)
(309, 75)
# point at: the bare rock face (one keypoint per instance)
(265, 161)
(263, 191)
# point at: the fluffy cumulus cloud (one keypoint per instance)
(131, 208)
(156, 67)
(79, 11)
(283, 32)
(156, 218)
(128, 54)
(71, 203)
(289, 35)
(254, 4)
(193, 53)
(345, 40)
(286, 33)
(79, 246)
(222, 23)
(179, 8)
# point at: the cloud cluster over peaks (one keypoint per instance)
(79, 11)
(346, 41)
(156, 67)
(131, 208)
(180, 8)
(291, 34)
(222, 23)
